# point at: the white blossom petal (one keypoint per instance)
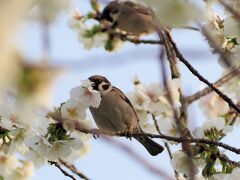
(86, 95)
(180, 162)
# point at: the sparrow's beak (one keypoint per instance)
(106, 15)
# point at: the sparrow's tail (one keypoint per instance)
(152, 147)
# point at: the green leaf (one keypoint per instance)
(91, 15)
(233, 40)
(109, 45)
(56, 132)
(209, 169)
(226, 167)
(214, 134)
(91, 32)
(3, 132)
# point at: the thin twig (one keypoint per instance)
(165, 144)
(141, 41)
(164, 76)
(73, 169)
(169, 138)
(220, 156)
(234, 119)
(208, 90)
(57, 117)
(99, 132)
(204, 80)
(171, 56)
(124, 36)
(224, 158)
(196, 140)
(230, 9)
(235, 115)
(187, 27)
(182, 120)
(183, 117)
(183, 108)
(221, 51)
(156, 124)
(138, 158)
(127, 37)
(62, 170)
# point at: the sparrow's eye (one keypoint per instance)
(94, 85)
(114, 12)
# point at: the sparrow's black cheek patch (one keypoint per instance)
(105, 86)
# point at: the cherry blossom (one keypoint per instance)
(86, 95)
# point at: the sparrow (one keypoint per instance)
(116, 113)
(134, 19)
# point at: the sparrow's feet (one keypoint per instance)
(95, 133)
(135, 39)
(128, 133)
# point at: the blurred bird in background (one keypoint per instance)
(134, 19)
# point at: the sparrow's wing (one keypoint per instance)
(138, 8)
(124, 97)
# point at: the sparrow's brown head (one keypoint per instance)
(100, 83)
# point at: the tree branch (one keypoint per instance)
(181, 120)
(165, 144)
(162, 136)
(207, 90)
(230, 9)
(127, 37)
(226, 159)
(62, 170)
(204, 80)
(73, 169)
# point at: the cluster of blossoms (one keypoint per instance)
(219, 118)
(226, 35)
(180, 162)
(12, 169)
(81, 98)
(91, 32)
(219, 122)
(38, 138)
(151, 101)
